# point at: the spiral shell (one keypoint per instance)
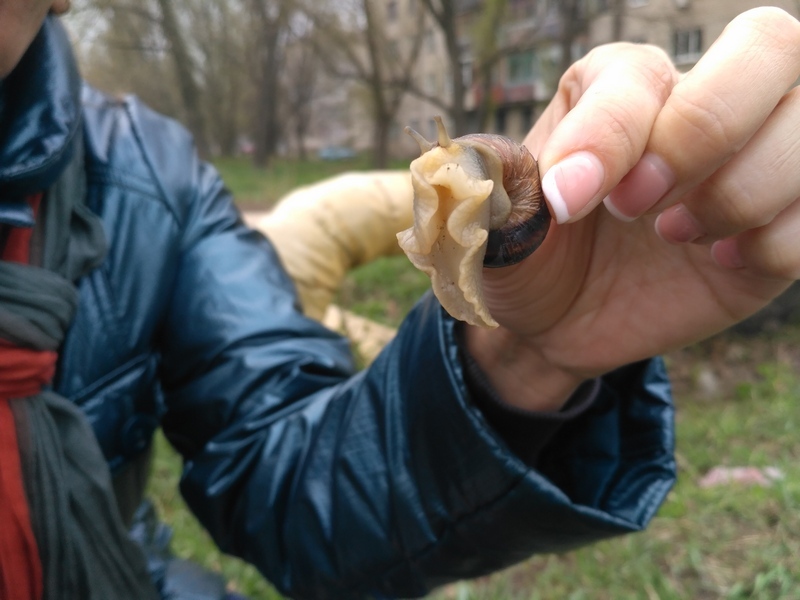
(477, 203)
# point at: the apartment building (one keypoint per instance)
(531, 43)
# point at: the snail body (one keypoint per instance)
(477, 203)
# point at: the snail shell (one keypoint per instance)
(478, 203)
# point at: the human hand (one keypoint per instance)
(702, 178)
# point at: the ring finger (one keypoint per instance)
(749, 190)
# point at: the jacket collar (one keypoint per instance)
(41, 117)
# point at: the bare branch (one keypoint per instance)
(133, 9)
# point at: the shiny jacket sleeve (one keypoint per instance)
(385, 482)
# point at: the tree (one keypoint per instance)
(205, 62)
(353, 42)
(444, 13)
(271, 27)
(488, 50)
(223, 78)
(185, 69)
(149, 42)
(300, 82)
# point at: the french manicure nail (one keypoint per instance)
(677, 225)
(572, 183)
(726, 254)
(614, 212)
(640, 190)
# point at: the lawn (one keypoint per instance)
(259, 189)
(737, 406)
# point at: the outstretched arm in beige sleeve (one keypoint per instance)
(323, 230)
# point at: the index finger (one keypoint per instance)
(597, 126)
(714, 110)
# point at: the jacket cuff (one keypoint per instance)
(525, 432)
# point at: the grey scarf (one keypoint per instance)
(83, 546)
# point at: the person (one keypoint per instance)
(460, 450)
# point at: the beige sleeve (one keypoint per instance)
(323, 230)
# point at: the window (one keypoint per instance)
(522, 67)
(687, 45)
(522, 8)
(431, 84)
(430, 40)
(433, 130)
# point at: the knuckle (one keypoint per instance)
(619, 126)
(780, 263)
(712, 123)
(657, 70)
(737, 208)
(645, 61)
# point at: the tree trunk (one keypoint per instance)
(190, 93)
(266, 125)
(486, 106)
(618, 20)
(458, 115)
(572, 25)
(266, 119)
(301, 125)
(381, 115)
(445, 16)
(380, 153)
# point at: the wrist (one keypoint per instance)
(519, 371)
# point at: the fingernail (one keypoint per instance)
(726, 254)
(677, 225)
(641, 188)
(572, 183)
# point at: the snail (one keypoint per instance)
(478, 203)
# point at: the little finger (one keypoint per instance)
(770, 252)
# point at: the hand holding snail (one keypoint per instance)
(700, 174)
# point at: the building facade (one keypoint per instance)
(525, 78)
(511, 75)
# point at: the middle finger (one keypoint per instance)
(749, 190)
(714, 110)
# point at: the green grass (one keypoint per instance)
(730, 543)
(383, 290)
(256, 188)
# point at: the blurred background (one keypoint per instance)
(329, 78)
(282, 93)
